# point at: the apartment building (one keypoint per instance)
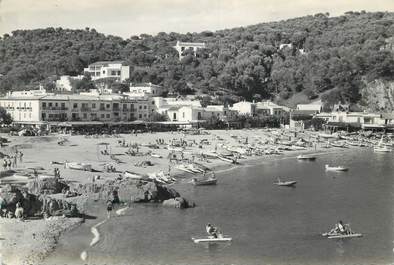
(110, 69)
(145, 89)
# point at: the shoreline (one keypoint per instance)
(38, 252)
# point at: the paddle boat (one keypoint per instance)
(212, 240)
(346, 232)
(306, 157)
(285, 183)
(338, 168)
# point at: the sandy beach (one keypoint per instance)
(30, 241)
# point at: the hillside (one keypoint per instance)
(331, 56)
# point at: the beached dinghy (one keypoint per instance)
(339, 168)
(212, 240)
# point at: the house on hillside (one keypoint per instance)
(108, 69)
(181, 47)
(268, 108)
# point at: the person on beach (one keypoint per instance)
(19, 211)
(211, 230)
(109, 208)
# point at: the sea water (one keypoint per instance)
(268, 224)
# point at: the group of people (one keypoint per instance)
(18, 214)
(12, 161)
(341, 228)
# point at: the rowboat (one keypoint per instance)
(339, 168)
(306, 157)
(285, 183)
(212, 240)
(203, 182)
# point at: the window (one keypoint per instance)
(144, 106)
(153, 103)
(63, 105)
(108, 116)
(118, 73)
(101, 106)
(140, 116)
(124, 106)
(140, 107)
(113, 72)
(56, 104)
(102, 116)
(85, 115)
(43, 116)
(75, 105)
(132, 107)
(44, 105)
(108, 106)
(183, 115)
(50, 104)
(144, 115)
(174, 116)
(93, 105)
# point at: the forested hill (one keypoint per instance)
(331, 57)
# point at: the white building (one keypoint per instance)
(145, 89)
(245, 108)
(104, 69)
(181, 47)
(65, 82)
(185, 113)
(365, 119)
(38, 107)
(316, 106)
(268, 108)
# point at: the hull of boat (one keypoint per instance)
(286, 183)
(344, 236)
(204, 182)
(212, 240)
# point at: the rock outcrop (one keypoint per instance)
(378, 95)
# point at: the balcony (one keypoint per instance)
(54, 108)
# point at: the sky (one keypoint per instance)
(126, 18)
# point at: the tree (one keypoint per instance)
(5, 118)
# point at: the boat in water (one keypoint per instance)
(285, 183)
(382, 148)
(338, 168)
(212, 240)
(341, 236)
(204, 182)
(306, 157)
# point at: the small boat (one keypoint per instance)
(306, 157)
(132, 175)
(335, 235)
(204, 182)
(285, 183)
(338, 144)
(79, 166)
(382, 149)
(212, 240)
(338, 168)
(156, 155)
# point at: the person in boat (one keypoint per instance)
(340, 228)
(211, 230)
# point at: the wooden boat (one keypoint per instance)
(204, 182)
(285, 183)
(338, 168)
(212, 240)
(306, 157)
(338, 144)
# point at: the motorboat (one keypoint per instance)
(306, 157)
(338, 168)
(285, 183)
(133, 175)
(341, 236)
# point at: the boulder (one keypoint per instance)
(178, 202)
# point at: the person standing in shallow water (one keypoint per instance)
(109, 208)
